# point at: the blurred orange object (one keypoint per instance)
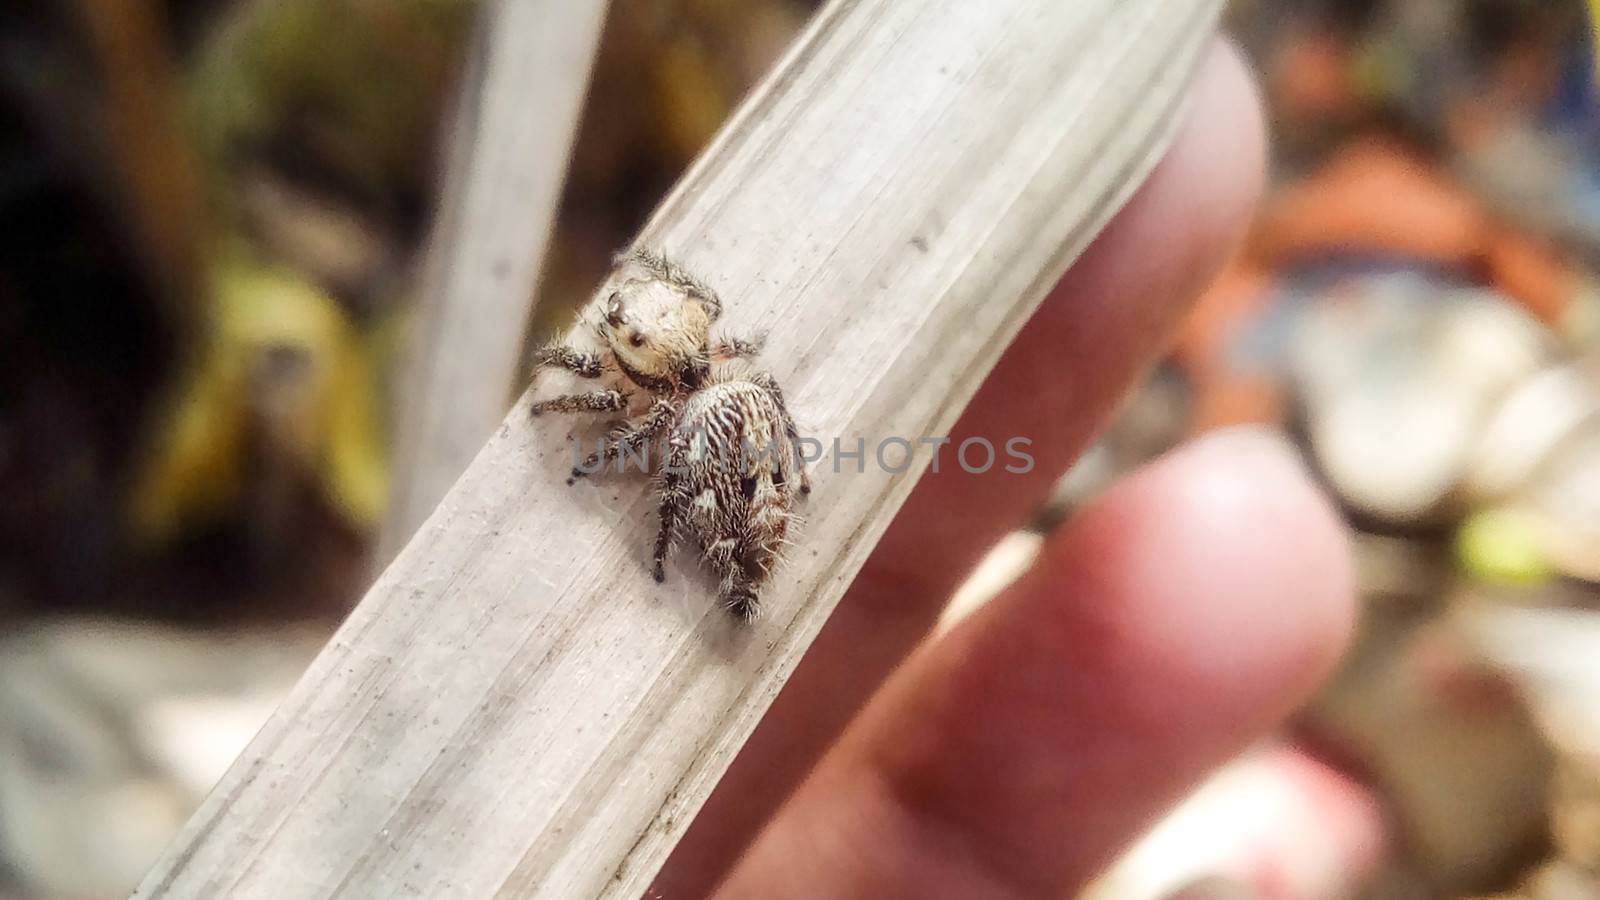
(1311, 79)
(1237, 294)
(1373, 197)
(1530, 270)
(1222, 396)
(1376, 196)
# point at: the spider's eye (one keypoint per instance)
(637, 340)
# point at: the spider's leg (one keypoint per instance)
(630, 438)
(666, 270)
(582, 364)
(594, 401)
(560, 356)
(625, 439)
(738, 348)
(799, 462)
(674, 502)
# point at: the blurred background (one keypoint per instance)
(215, 215)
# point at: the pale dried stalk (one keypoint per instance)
(517, 123)
(516, 708)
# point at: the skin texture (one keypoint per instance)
(1173, 621)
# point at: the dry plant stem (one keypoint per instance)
(516, 708)
(518, 120)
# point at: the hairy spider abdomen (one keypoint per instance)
(730, 474)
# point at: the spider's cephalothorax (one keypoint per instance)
(723, 445)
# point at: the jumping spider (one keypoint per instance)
(729, 466)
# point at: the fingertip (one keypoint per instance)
(1228, 568)
(1304, 543)
(1229, 85)
(1178, 618)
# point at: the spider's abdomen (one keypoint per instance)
(737, 469)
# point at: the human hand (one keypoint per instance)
(1176, 619)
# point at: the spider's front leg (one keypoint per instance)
(594, 401)
(727, 348)
(674, 503)
(578, 362)
(584, 365)
(629, 438)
